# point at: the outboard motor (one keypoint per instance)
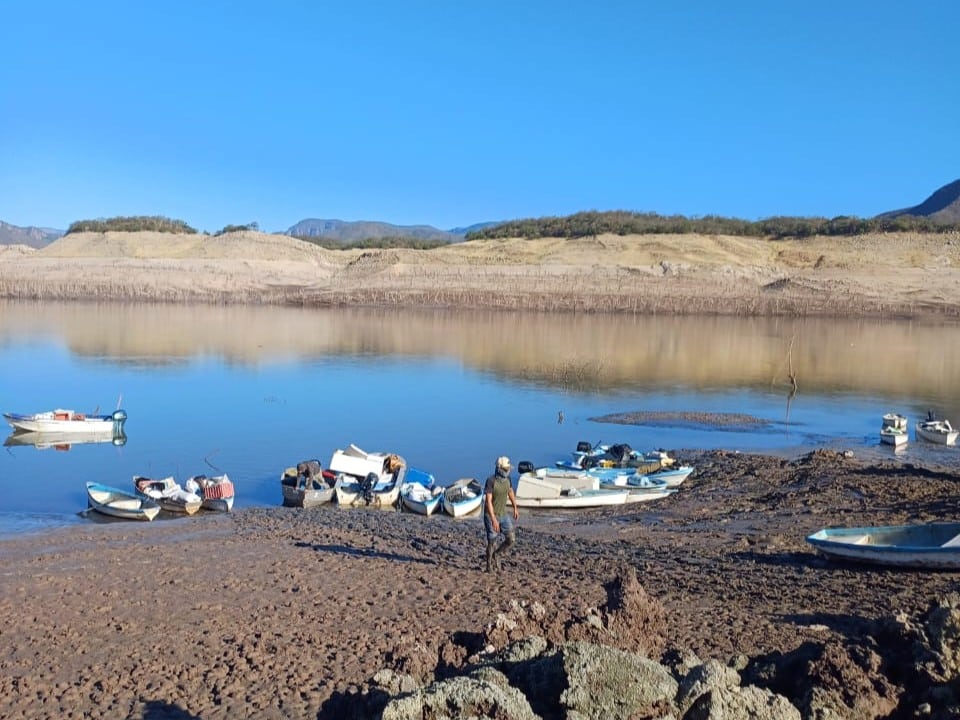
(118, 417)
(366, 487)
(584, 447)
(525, 466)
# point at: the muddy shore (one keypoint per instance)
(279, 612)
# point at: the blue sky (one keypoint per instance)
(450, 113)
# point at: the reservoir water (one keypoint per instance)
(252, 390)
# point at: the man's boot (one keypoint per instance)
(504, 547)
(492, 563)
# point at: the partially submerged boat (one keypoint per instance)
(68, 422)
(368, 478)
(462, 497)
(168, 494)
(307, 485)
(934, 546)
(420, 493)
(120, 503)
(216, 493)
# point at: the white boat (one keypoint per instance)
(640, 488)
(937, 431)
(934, 546)
(462, 498)
(168, 494)
(216, 493)
(307, 485)
(611, 460)
(67, 421)
(893, 430)
(367, 478)
(533, 491)
(672, 476)
(420, 492)
(120, 503)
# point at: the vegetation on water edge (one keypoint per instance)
(135, 223)
(622, 222)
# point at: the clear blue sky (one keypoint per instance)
(453, 112)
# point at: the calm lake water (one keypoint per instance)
(252, 390)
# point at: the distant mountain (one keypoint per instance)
(33, 236)
(475, 226)
(345, 232)
(942, 206)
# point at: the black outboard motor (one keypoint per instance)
(366, 487)
(525, 466)
(584, 447)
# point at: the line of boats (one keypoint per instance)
(151, 496)
(596, 477)
(894, 430)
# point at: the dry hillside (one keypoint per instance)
(901, 274)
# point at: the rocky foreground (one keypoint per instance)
(706, 604)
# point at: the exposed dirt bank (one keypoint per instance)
(875, 275)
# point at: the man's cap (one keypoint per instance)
(503, 462)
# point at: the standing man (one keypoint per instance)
(496, 491)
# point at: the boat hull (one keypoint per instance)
(67, 422)
(932, 546)
(936, 432)
(462, 498)
(120, 504)
(576, 500)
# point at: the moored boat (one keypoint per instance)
(641, 488)
(369, 478)
(216, 493)
(893, 430)
(462, 497)
(68, 421)
(168, 494)
(936, 431)
(120, 503)
(934, 546)
(307, 485)
(534, 491)
(420, 492)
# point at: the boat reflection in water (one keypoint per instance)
(63, 441)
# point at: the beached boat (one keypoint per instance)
(216, 493)
(937, 431)
(120, 503)
(307, 485)
(534, 491)
(929, 545)
(641, 488)
(462, 497)
(420, 492)
(367, 478)
(893, 430)
(672, 476)
(618, 456)
(67, 421)
(168, 494)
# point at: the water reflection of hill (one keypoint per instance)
(573, 351)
